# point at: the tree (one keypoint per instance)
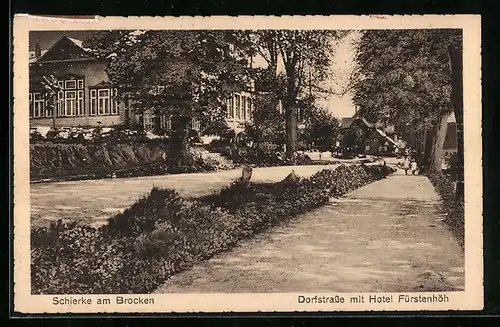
(305, 55)
(353, 137)
(321, 128)
(51, 88)
(268, 123)
(410, 78)
(183, 74)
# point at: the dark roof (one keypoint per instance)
(102, 84)
(64, 48)
(346, 122)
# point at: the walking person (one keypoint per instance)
(414, 166)
(406, 165)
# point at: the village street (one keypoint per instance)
(94, 201)
(386, 236)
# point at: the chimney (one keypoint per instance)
(38, 50)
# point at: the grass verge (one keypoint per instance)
(454, 209)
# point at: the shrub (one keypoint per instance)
(164, 233)
(455, 215)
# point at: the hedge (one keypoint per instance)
(455, 215)
(163, 233)
(54, 161)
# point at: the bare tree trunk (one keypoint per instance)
(179, 142)
(457, 101)
(291, 128)
(436, 155)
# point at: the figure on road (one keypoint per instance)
(414, 166)
(406, 165)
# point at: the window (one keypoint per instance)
(93, 102)
(71, 84)
(71, 99)
(195, 124)
(249, 108)
(238, 107)
(367, 148)
(375, 140)
(104, 102)
(80, 106)
(60, 103)
(30, 105)
(244, 107)
(69, 108)
(230, 108)
(38, 105)
(148, 122)
(165, 122)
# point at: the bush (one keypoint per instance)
(455, 215)
(164, 233)
(91, 161)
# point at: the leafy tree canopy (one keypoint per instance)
(404, 76)
(321, 128)
(195, 70)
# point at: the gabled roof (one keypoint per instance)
(346, 122)
(77, 42)
(383, 135)
(370, 125)
(32, 56)
(102, 84)
(64, 49)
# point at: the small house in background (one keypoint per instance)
(363, 137)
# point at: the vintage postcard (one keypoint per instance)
(247, 164)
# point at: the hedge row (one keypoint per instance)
(455, 216)
(164, 233)
(89, 161)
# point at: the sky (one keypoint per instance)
(341, 64)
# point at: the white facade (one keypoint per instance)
(239, 110)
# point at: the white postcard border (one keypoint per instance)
(470, 299)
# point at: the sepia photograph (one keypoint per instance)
(324, 163)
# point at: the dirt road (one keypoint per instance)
(386, 236)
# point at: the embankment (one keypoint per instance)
(49, 159)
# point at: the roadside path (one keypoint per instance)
(384, 237)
